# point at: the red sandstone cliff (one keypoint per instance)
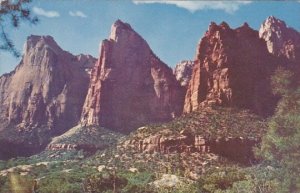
(130, 86)
(44, 94)
(281, 40)
(232, 68)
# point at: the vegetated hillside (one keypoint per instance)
(213, 136)
(212, 122)
(136, 170)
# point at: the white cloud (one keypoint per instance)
(77, 14)
(192, 6)
(42, 12)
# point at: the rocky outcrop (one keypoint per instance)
(235, 148)
(183, 72)
(44, 95)
(159, 143)
(54, 147)
(87, 139)
(281, 40)
(232, 68)
(130, 86)
(77, 147)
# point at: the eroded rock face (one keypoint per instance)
(237, 148)
(232, 68)
(68, 147)
(45, 93)
(183, 72)
(281, 40)
(130, 86)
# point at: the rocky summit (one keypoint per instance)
(130, 86)
(43, 96)
(232, 68)
(281, 40)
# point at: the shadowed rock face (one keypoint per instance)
(281, 40)
(232, 68)
(130, 86)
(44, 94)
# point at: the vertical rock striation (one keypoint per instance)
(130, 86)
(44, 94)
(281, 40)
(232, 68)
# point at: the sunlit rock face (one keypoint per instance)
(232, 68)
(183, 72)
(44, 94)
(130, 86)
(281, 40)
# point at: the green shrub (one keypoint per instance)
(104, 182)
(138, 182)
(17, 184)
(60, 183)
(281, 143)
(221, 179)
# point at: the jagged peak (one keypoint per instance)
(272, 21)
(277, 34)
(215, 28)
(41, 41)
(245, 28)
(120, 28)
(34, 39)
(224, 25)
(212, 26)
(275, 24)
(121, 24)
(85, 56)
(246, 25)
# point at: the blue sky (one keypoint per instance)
(172, 28)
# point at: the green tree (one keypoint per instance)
(15, 183)
(281, 144)
(13, 12)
